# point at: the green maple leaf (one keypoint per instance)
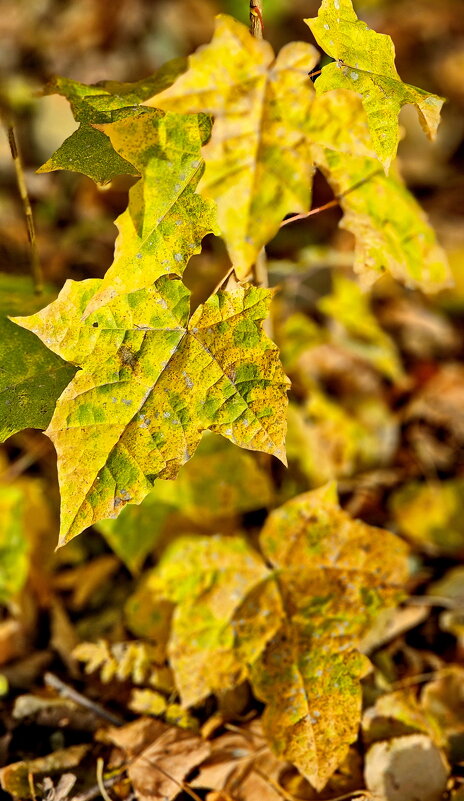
(88, 150)
(152, 380)
(258, 165)
(365, 63)
(31, 378)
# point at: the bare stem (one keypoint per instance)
(256, 19)
(21, 181)
(331, 203)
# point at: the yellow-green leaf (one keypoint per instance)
(258, 164)
(334, 574)
(365, 63)
(152, 380)
(391, 230)
(226, 610)
(431, 515)
(348, 306)
(87, 150)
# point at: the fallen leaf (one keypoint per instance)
(161, 757)
(334, 574)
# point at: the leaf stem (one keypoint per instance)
(36, 269)
(256, 19)
(331, 203)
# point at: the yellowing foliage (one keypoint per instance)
(258, 163)
(292, 628)
(151, 381)
(365, 63)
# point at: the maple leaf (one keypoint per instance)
(152, 380)
(365, 63)
(334, 574)
(292, 630)
(390, 228)
(31, 378)
(258, 165)
(226, 611)
(87, 150)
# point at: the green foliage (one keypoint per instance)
(31, 377)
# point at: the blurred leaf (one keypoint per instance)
(26, 534)
(391, 231)
(220, 481)
(329, 440)
(121, 660)
(365, 63)
(431, 515)
(148, 742)
(31, 377)
(334, 575)
(397, 714)
(14, 545)
(18, 778)
(443, 700)
(349, 307)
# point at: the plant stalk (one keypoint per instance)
(36, 269)
(256, 19)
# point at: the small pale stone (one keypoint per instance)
(411, 768)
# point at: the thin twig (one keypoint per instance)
(257, 30)
(256, 19)
(36, 269)
(69, 692)
(305, 214)
(223, 280)
(331, 203)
